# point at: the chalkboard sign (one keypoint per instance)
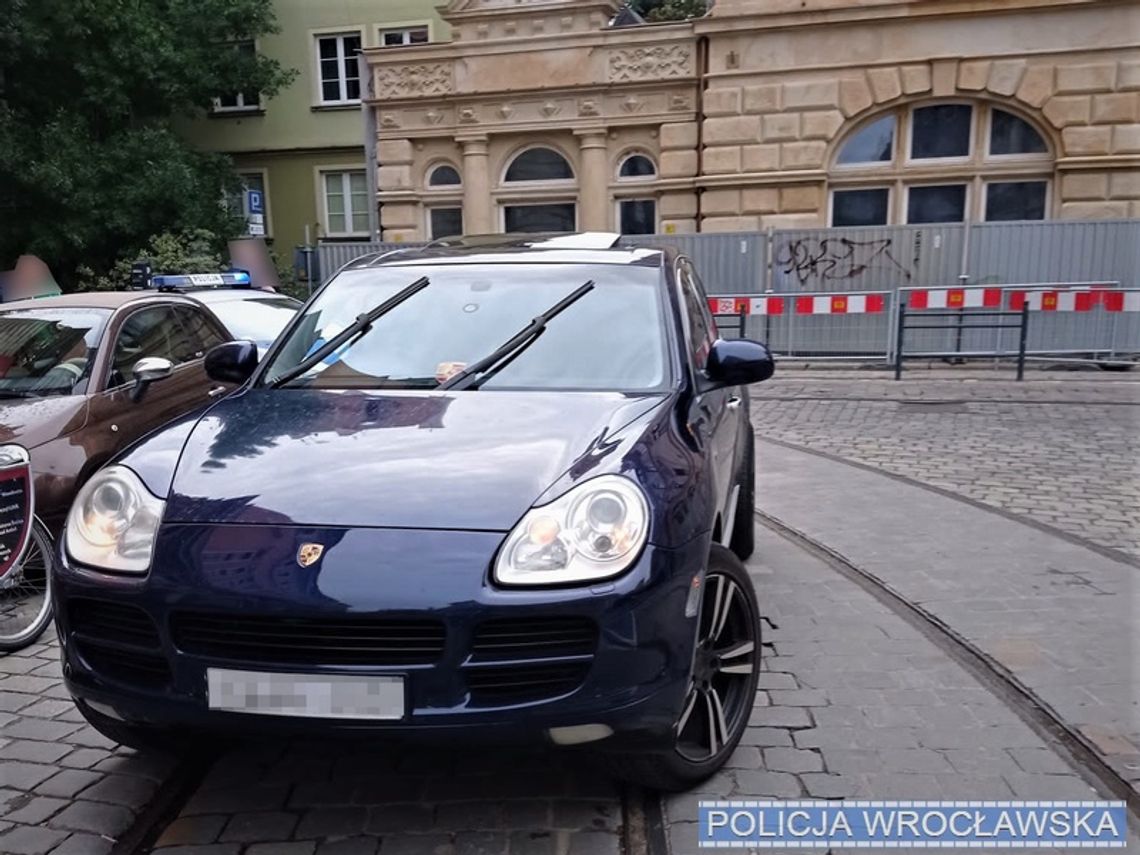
(16, 505)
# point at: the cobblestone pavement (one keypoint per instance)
(64, 789)
(342, 800)
(854, 702)
(1062, 452)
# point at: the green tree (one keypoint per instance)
(670, 10)
(90, 165)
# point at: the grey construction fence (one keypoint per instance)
(884, 257)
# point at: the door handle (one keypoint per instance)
(734, 402)
(217, 390)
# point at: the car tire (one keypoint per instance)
(743, 540)
(142, 738)
(703, 740)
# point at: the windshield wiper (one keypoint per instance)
(491, 364)
(17, 393)
(357, 328)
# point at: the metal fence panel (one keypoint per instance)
(731, 263)
(334, 256)
(1055, 251)
(861, 259)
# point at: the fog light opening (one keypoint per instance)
(105, 710)
(580, 734)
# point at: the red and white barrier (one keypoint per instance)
(953, 298)
(803, 304)
(1075, 301)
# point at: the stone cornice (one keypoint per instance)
(730, 21)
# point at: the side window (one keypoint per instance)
(702, 332)
(148, 332)
(199, 333)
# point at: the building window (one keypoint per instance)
(941, 163)
(539, 164)
(863, 207)
(404, 36)
(548, 217)
(637, 167)
(445, 222)
(1016, 200)
(444, 176)
(637, 216)
(346, 203)
(339, 70)
(238, 102)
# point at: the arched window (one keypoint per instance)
(445, 208)
(444, 175)
(637, 166)
(947, 162)
(558, 209)
(539, 164)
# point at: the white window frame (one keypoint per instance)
(636, 179)
(639, 198)
(889, 187)
(1006, 179)
(538, 203)
(986, 157)
(572, 181)
(968, 183)
(404, 27)
(893, 162)
(343, 170)
(241, 106)
(342, 79)
(971, 155)
(442, 188)
(442, 206)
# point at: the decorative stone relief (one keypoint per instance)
(433, 117)
(631, 104)
(588, 107)
(650, 63)
(679, 103)
(411, 81)
(389, 120)
(505, 111)
(468, 116)
(550, 109)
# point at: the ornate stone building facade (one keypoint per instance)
(538, 114)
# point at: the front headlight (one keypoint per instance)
(113, 522)
(594, 531)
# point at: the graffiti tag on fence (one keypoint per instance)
(822, 260)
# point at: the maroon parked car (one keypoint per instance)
(81, 377)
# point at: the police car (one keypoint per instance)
(250, 314)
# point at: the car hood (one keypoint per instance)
(34, 421)
(473, 460)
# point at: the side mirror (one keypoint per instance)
(232, 362)
(738, 362)
(146, 371)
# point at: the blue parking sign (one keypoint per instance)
(255, 201)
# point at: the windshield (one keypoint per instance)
(613, 338)
(259, 319)
(48, 351)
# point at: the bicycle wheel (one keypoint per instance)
(25, 593)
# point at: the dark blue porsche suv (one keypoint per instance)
(488, 490)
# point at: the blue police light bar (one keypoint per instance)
(183, 281)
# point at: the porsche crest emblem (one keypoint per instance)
(309, 554)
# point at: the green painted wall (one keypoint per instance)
(292, 136)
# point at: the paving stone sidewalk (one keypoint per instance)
(1064, 453)
(64, 789)
(344, 799)
(855, 703)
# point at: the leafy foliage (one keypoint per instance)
(194, 251)
(90, 165)
(670, 10)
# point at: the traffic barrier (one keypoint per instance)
(819, 326)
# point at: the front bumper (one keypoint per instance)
(632, 678)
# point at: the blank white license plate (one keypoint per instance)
(306, 695)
